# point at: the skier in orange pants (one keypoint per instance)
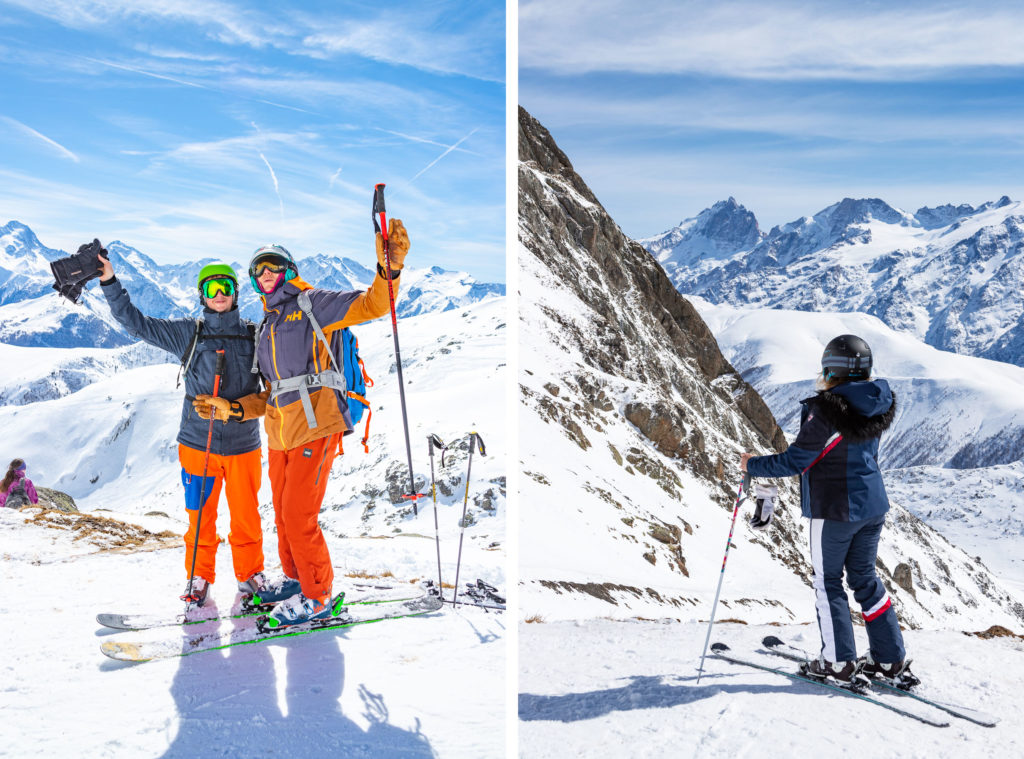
(241, 476)
(306, 410)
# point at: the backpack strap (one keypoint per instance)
(186, 360)
(307, 309)
(329, 378)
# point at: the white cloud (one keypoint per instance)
(768, 40)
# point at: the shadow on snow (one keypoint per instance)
(227, 705)
(642, 692)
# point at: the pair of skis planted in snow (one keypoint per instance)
(866, 692)
(164, 641)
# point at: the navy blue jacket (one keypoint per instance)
(846, 484)
(175, 336)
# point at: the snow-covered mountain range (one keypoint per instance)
(33, 315)
(950, 275)
(634, 421)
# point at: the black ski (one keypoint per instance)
(779, 647)
(718, 648)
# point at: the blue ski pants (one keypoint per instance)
(853, 547)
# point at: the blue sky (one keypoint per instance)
(666, 107)
(192, 128)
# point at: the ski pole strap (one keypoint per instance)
(438, 444)
(479, 442)
(329, 379)
(831, 443)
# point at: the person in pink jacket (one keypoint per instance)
(16, 490)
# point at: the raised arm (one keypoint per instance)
(173, 335)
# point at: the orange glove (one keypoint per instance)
(220, 408)
(398, 242)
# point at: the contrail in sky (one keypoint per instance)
(446, 152)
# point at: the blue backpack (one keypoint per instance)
(357, 380)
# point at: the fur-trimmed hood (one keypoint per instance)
(860, 411)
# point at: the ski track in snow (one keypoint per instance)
(605, 688)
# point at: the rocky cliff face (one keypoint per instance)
(631, 426)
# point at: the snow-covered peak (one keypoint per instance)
(719, 231)
(949, 275)
(168, 291)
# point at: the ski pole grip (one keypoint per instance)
(380, 221)
(746, 484)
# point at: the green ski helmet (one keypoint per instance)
(273, 254)
(217, 269)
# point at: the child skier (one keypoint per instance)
(841, 491)
(235, 458)
(306, 411)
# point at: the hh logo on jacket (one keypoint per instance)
(296, 316)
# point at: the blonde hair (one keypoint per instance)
(821, 384)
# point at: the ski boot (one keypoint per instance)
(897, 674)
(845, 674)
(490, 592)
(196, 592)
(299, 610)
(254, 584)
(271, 593)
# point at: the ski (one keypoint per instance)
(718, 648)
(778, 647)
(240, 610)
(247, 631)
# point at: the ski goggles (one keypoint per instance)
(274, 264)
(215, 286)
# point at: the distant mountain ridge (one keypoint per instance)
(33, 315)
(950, 275)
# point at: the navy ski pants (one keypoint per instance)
(853, 547)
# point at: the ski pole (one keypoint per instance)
(433, 441)
(380, 223)
(218, 372)
(740, 496)
(474, 438)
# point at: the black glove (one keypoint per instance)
(764, 506)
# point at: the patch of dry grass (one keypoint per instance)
(105, 533)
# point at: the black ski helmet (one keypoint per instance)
(846, 357)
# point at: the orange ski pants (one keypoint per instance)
(298, 479)
(240, 477)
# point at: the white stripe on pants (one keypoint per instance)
(828, 637)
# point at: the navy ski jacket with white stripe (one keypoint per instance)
(846, 483)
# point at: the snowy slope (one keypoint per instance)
(628, 688)
(952, 410)
(949, 276)
(423, 687)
